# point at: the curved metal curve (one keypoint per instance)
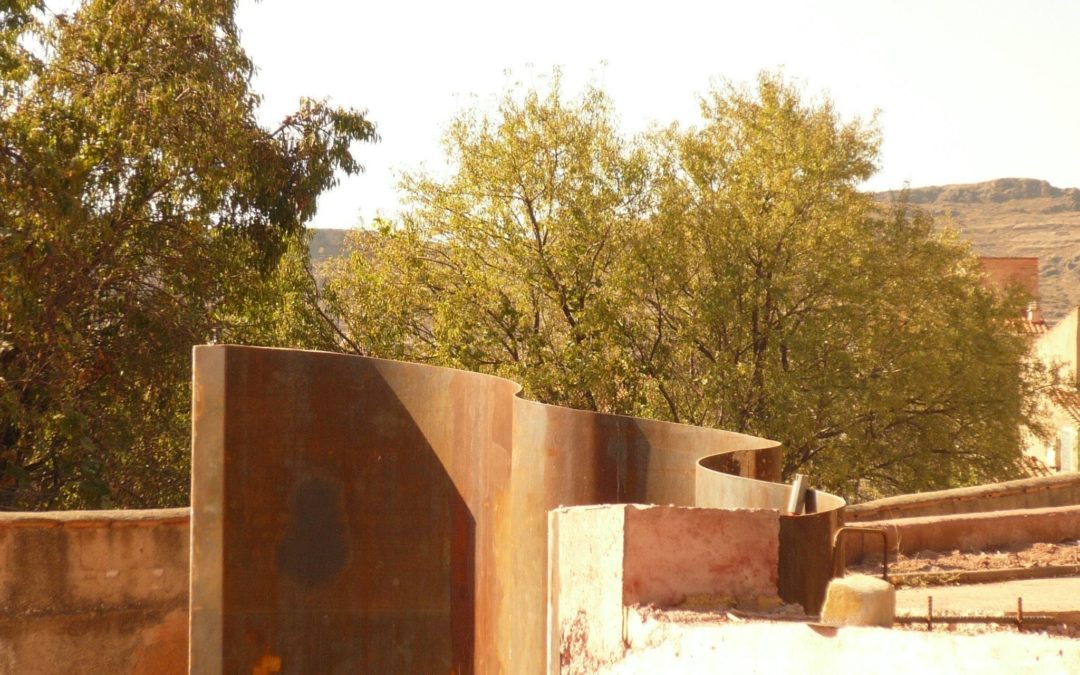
(401, 509)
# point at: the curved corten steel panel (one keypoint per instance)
(806, 563)
(360, 515)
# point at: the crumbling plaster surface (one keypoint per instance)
(605, 560)
(586, 548)
(673, 553)
(657, 646)
(94, 592)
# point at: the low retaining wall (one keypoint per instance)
(1028, 493)
(94, 592)
(967, 532)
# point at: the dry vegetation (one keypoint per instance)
(1004, 557)
(1017, 217)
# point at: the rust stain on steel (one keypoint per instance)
(362, 515)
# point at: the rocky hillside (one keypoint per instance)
(1017, 217)
(325, 243)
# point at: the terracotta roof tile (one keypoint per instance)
(1031, 327)
(1068, 399)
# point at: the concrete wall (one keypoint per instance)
(94, 592)
(604, 560)
(1028, 493)
(585, 583)
(673, 554)
(968, 531)
(611, 566)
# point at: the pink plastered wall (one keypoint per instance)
(672, 553)
(603, 559)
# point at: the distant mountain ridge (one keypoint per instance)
(992, 191)
(1003, 217)
(1021, 217)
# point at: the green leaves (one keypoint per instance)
(503, 267)
(142, 210)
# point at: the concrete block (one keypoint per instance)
(859, 600)
(586, 580)
(603, 559)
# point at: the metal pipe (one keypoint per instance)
(797, 496)
(838, 549)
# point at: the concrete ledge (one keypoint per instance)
(112, 518)
(1027, 493)
(968, 532)
(920, 579)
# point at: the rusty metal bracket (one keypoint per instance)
(838, 549)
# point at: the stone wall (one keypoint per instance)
(1028, 493)
(967, 532)
(94, 592)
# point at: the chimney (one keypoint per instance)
(1032, 313)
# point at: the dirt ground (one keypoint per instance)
(1020, 555)
(1045, 595)
(1058, 597)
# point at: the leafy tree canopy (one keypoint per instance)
(142, 210)
(730, 275)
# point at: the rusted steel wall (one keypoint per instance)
(94, 592)
(343, 502)
(360, 515)
(806, 561)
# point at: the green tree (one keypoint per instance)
(729, 275)
(142, 210)
(790, 305)
(503, 267)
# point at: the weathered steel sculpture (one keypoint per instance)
(358, 515)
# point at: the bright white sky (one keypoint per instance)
(968, 90)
